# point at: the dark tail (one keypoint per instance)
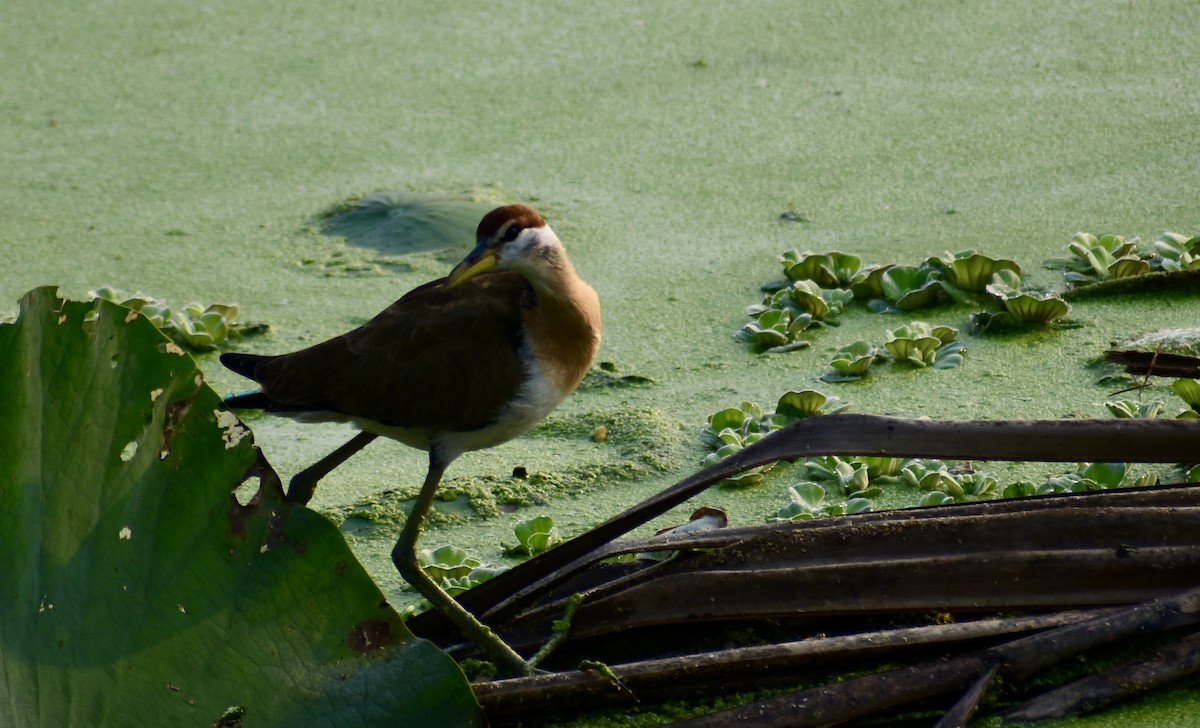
(248, 400)
(243, 364)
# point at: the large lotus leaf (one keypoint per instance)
(405, 222)
(139, 589)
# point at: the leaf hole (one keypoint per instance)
(129, 451)
(248, 492)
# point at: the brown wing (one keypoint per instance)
(443, 359)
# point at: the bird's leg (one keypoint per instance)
(404, 555)
(303, 483)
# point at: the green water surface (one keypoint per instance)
(188, 150)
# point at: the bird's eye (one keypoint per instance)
(510, 233)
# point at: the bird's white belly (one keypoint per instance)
(536, 398)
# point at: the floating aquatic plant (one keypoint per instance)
(805, 403)
(1173, 252)
(198, 327)
(775, 331)
(867, 284)
(1087, 476)
(948, 485)
(827, 270)
(923, 345)
(1031, 308)
(851, 362)
(806, 501)
(534, 536)
(735, 425)
(906, 288)
(1100, 258)
(1099, 476)
(821, 304)
(785, 313)
(1022, 309)
(971, 271)
(455, 570)
(1189, 391)
(1129, 409)
(733, 428)
(850, 476)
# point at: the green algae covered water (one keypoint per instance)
(677, 148)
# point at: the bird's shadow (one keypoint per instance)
(396, 223)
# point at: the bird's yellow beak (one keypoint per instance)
(479, 260)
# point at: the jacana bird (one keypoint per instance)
(458, 364)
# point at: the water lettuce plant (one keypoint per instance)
(774, 331)
(968, 270)
(534, 536)
(1021, 310)
(1087, 476)
(797, 405)
(455, 570)
(1189, 391)
(944, 484)
(195, 326)
(827, 270)
(851, 477)
(1173, 252)
(868, 283)
(906, 288)
(1098, 476)
(733, 428)
(786, 312)
(917, 344)
(851, 362)
(806, 501)
(1099, 258)
(1134, 410)
(922, 345)
(730, 430)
